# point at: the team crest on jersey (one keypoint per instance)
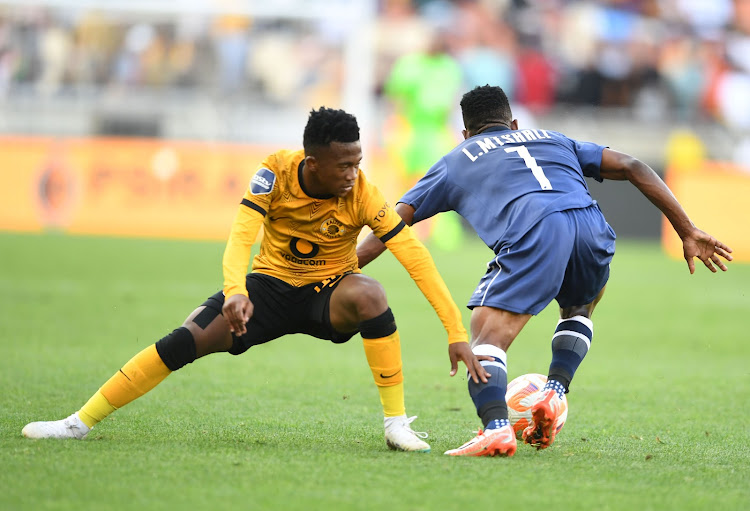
(262, 182)
(332, 228)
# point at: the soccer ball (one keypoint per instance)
(520, 397)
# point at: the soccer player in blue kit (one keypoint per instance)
(524, 193)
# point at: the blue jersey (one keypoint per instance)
(504, 181)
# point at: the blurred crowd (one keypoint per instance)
(58, 52)
(685, 58)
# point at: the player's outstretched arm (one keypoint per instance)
(695, 243)
(413, 256)
(371, 247)
(458, 348)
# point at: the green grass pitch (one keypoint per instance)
(658, 410)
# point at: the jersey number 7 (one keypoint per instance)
(530, 162)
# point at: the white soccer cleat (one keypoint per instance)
(71, 427)
(400, 437)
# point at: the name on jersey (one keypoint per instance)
(262, 182)
(487, 144)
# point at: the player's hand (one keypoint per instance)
(461, 351)
(706, 248)
(237, 311)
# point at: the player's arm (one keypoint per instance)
(425, 199)
(237, 305)
(371, 247)
(413, 255)
(695, 243)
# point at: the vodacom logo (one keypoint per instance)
(303, 249)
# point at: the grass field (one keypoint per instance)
(658, 412)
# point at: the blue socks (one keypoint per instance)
(570, 344)
(555, 385)
(497, 424)
(489, 398)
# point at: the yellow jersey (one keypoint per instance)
(308, 239)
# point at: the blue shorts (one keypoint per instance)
(565, 256)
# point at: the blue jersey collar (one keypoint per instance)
(494, 128)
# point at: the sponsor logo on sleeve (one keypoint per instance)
(262, 182)
(381, 213)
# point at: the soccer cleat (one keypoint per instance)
(71, 427)
(490, 442)
(400, 437)
(544, 413)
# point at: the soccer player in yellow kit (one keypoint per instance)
(312, 204)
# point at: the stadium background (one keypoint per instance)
(140, 120)
(143, 118)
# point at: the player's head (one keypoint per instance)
(327, 125)
(484, 106)
(332, 151)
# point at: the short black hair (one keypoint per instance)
(485, 104)
(327, 125)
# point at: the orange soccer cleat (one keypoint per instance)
(544, 413)
(491, 442)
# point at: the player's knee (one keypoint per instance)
(177, 349)
(369, 299)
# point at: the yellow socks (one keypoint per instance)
(392, 399)
(140, 374)
(95, 409)
(384, 356)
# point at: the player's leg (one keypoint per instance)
(582, 288)
(359, 303)
(570, 344)
(520, 282)
(205, 331)
(492, 331)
